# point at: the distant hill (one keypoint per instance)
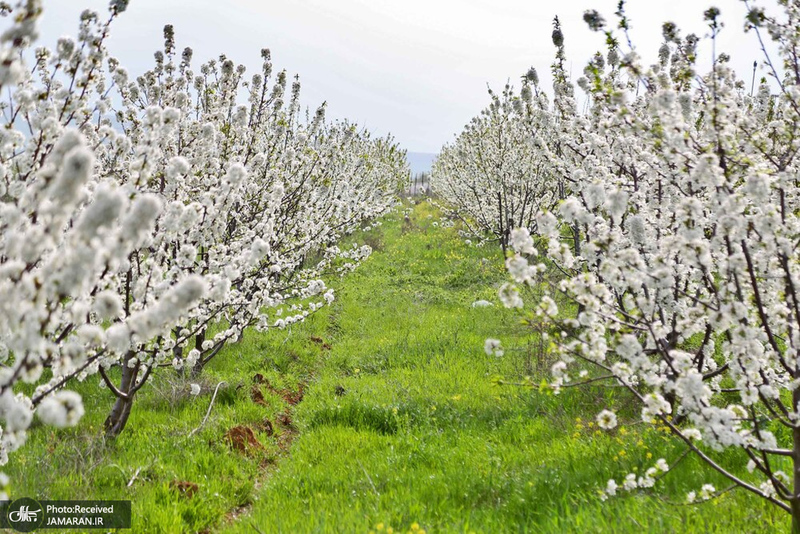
(420, 161)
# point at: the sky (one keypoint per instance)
(417, 69)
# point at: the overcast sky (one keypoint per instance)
(415, 68)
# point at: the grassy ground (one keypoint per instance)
(401, 427)
(423, 438)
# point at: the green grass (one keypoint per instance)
(423, 435)
(156, 453)
(402, 423)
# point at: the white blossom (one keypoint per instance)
(607, 420)
(61, 409)
(492, 347)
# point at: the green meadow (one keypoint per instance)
(383, 413)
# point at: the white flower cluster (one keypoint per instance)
(707, 492)
(633, 481)
(677, 240)
(135, 213)
(493, 347)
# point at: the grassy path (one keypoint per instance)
(403, 430)
(402, 424)
(380, 413)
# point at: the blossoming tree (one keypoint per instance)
(496, 176)
(687, 276)
(678, 243)
(136, 214)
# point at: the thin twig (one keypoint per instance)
(208, 412)
(136, 474)
(369, 479)
(715, 495)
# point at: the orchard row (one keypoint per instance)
(146, 222)
(664, 209)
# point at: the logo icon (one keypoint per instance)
(25, 515)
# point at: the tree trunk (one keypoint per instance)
(177, 352)
(576, 235)
(501, 220)
(198, 344)
(118, 418)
